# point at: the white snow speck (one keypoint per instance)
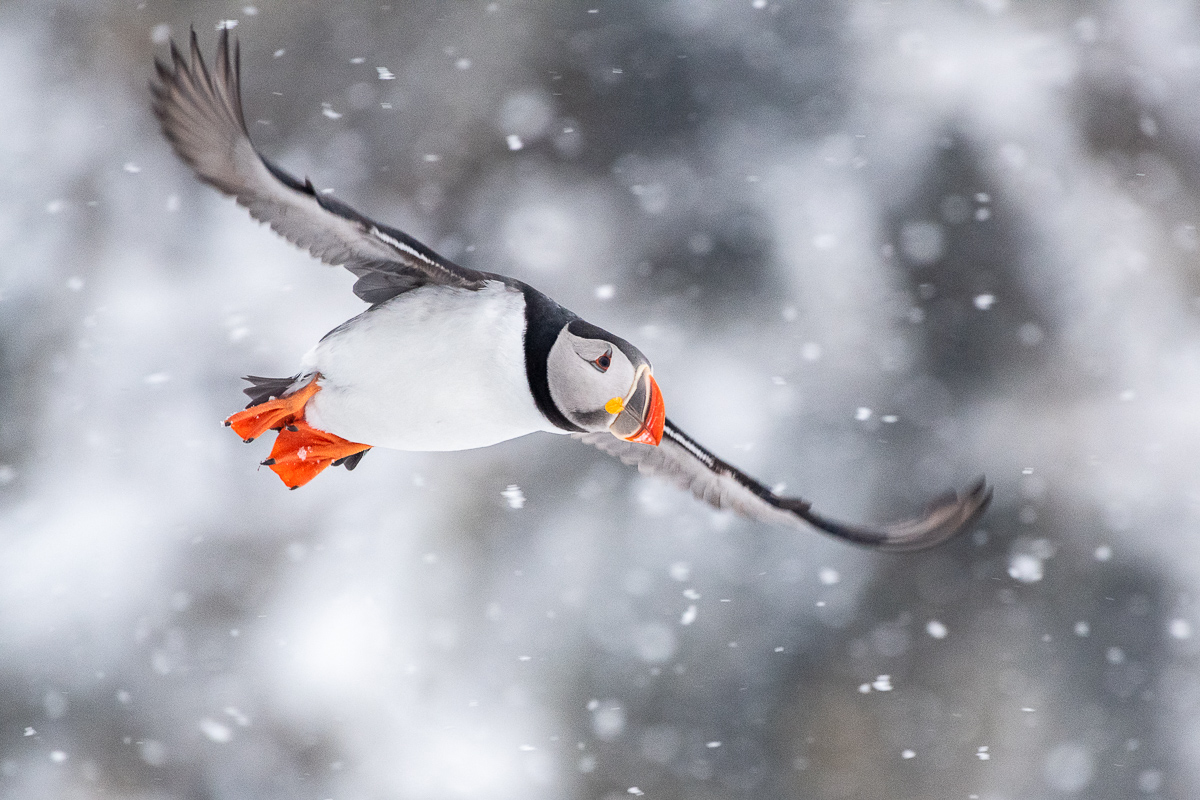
(463, 63)
(811, 351)
(75, 283)
(1150, 781)
(215, 731)
(982, 753)
(250, 11)
(691, 594)
(759, 4)
(526, 748)
(357, 60)
(605, 291)
(608, 721)
(156, 378)
(8, 474)
(153, 752)
(923, 242)
(985, 301)
(1103, 553)
(689, 616)
(862, 414)
(432, 158)
(524, 658)
(828, 576)
(864, 688)
(1178, 628)
(712, 745)
(635, 791)
(889, 419)
(514, 142)
(329, 112)
(131, 168)
(172, 203)
(825, 241)
(1069, 767)
(58, 756)
(1082, 628)
(278, 53)
(514, 496)
(1114, 655)
(29, 731)
(385, 74)
(593, 704)
(883, 683)
(778, 649)
(55, 206)
(1030, 334)
(907, 754)
(1025, 568)
(226, 24)
(161, 33)
(936, 629)
(680, 571)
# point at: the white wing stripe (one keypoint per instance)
(399, 245)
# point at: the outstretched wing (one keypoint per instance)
(201, 115)
(680, 459)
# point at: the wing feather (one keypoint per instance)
(201, 115)
(684, 462)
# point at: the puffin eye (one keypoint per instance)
(603, 362)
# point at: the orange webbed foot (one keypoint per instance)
(302, 451)
(273, 414)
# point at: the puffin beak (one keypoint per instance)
(641, 419)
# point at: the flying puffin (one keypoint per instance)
(450, 358)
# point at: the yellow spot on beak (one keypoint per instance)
(615, 406)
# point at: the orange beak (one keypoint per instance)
(643, 415)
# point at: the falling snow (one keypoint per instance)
(886, 248)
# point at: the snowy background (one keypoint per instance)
(873, 248)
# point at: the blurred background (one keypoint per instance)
(874, 249)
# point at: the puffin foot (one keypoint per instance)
(301, 452)
(272, 414)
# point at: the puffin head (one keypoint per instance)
(600, 382)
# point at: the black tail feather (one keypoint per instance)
(263, 389)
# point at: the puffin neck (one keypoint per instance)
(544, 319)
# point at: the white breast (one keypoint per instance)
(435, 368)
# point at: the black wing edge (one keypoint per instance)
(212, 102)
(945, 518)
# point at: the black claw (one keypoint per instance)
(268, 462)
(293, 488)
(292, 428)
(227, 423)
(248, 441)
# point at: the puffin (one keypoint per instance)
(451, 358)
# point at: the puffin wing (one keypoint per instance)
(201, 115)
(680, 459)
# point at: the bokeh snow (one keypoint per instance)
(873, 249)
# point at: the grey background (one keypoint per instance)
(873, 248)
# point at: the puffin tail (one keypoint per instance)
(301, 451)
(269, 408)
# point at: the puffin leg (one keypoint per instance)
(272, 414)
(302, 451)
